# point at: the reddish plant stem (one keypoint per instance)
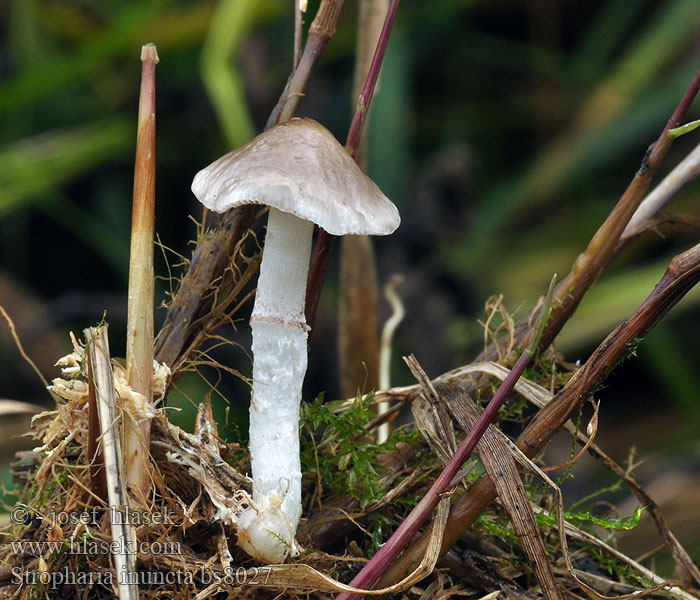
(317, 274)
(374, 569)
(358, 335)
(358, 120)
(324, 242)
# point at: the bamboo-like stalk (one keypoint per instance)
(123, 535)
(139, 339)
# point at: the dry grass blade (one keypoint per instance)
(500, 466)
(431, 416)
(15, 407)
(20, 347)
(682, 174)
(122, 531)
(387, 339)
(433, 422)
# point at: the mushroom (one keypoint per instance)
(305, 176)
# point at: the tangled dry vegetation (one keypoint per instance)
(495, 531)
(355, 492)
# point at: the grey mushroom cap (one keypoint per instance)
(298, 167)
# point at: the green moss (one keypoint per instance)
(336, 448)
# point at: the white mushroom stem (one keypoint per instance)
(279, 364)
(296, 168)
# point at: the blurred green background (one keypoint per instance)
(504, 130)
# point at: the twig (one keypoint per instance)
(321, 30)
(357, 125)
(123, 535)
(370, 22)
(601, 248)
(139, 328)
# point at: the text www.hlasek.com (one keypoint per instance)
(95, 546)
